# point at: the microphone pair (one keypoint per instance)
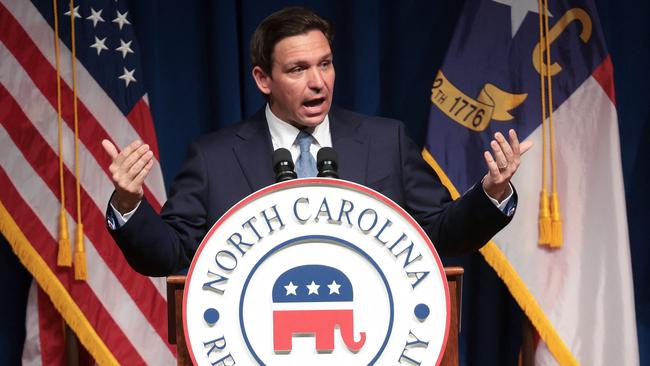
(326, 162)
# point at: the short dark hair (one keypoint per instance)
(288, 22)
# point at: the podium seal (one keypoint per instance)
(316, 272)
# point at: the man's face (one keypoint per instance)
(301, 81)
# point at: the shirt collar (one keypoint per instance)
(283, 134)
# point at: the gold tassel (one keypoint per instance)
(550, 223)
(544, 219)
(544, 223)
(556, 223)
(64, 258)
(80, 271)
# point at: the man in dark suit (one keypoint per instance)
(293, 67)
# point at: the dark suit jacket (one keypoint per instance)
(226, 166)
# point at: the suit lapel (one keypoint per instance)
(351, 146)
(254, 152)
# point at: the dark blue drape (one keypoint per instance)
(196, 67)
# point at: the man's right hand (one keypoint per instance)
(128, 170)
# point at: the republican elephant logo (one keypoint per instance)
(313, 300)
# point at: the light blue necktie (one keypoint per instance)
(305, 165)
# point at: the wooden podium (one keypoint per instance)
(176, 284)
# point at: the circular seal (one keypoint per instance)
(316, 272)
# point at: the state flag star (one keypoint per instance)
(95, 16)
(75, 12)
(128, 76)
(334, 288)
(313, 288)
(121, 19)
(518, 11)
(291, 289)
(99, 45)
(125, 48)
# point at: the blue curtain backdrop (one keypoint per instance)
(197, 70)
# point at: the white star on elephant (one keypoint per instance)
(334, 288)
(313, 288)
(291, 289)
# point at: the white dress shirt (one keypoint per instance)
(283, 135)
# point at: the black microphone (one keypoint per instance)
(283, 165)
(327, 162)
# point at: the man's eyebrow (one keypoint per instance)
(303, 62)
(295, 63)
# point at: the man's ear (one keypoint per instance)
(262, 79)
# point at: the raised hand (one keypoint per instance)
(128, 170)
(503, 163)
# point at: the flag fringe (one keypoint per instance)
(64, 256)
(444, 179)
(57, 292)
(498, 261)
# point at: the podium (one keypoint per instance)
(176, 285)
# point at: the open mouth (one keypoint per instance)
(314, 102)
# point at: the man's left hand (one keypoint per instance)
(502, 164)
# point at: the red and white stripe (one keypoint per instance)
(585, 287)
(127, 310)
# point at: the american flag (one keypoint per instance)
(117, 314)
